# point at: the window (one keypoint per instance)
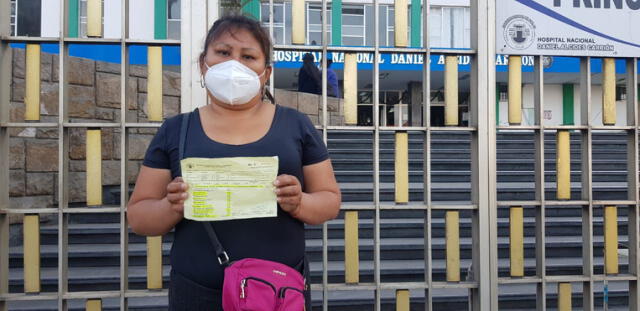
(280, 10)
(314, 26)
(173, 19)
(390, 20)
(391, 25)
(369, 20)
(353, 25)
(435, 27)
(83, 17)
(450, 27)
(14, 21)
(382, 31)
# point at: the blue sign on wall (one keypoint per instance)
(293, 59)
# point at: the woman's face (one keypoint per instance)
(238, 44)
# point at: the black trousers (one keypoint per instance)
(186, 295)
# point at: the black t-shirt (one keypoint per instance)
(293, 138)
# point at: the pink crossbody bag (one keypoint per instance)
(258, 285)
(254, 284)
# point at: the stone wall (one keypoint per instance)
(94, 96)
(311, 105)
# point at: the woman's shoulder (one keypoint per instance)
(171, 127)
(174, 122)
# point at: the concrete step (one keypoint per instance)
(363, 192)
(465, 165)
(517, 297)
(464, 151)
(465, 176)
(111, 304)
(465, 142)
(86, 232)
(404, 248)
(394, 224)
(108, 277)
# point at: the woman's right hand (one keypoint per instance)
(177, 194)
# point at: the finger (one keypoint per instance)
(288, 191)
(285, 180)
(288, 201)
(176, 198)
(177, 187)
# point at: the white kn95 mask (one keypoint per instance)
(231, 82)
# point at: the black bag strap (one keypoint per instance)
(221, 254)
(183, 134)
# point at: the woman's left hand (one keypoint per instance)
(289, 193)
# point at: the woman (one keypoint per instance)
(309, 76)
(237, 123)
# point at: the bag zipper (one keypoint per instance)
(243, 285)
(284, 289)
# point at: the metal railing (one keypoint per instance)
(483, 282)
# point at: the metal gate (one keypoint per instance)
(474, 270)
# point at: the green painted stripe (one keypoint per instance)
(336, 22)
(567, 104)
(251, 8)
(73, 19)
(416, 30)
(160, 19)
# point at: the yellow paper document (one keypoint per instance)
(230, 188)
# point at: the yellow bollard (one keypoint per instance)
(93, 305)
(154, 83)
(608, 91)
(563, 165)
(564, 296)
(515, 90)
(154, 262)
(611, 239)
(452, 228)
(31, 246)
(403, 302)
(350, 89)
(402, 167)
(94, 167)
(351, 254)
(94, 18)
(516, 241)
(451, 90)
(32, 83)
(401, 19)
(299, 27)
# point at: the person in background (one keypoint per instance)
(309, 78)
(332, 80)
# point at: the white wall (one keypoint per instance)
(553, 106)
(112, 18)
(596, 107)
(141, 19)
(50, 18)
(552, 103)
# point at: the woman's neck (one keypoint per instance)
(247, 110)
